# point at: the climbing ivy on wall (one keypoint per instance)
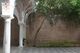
(66, 10)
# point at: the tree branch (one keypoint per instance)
(36, 35)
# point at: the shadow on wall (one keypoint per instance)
(15, 32)
(1, 31)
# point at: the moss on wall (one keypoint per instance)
(60, 44)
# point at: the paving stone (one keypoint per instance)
(44, 50)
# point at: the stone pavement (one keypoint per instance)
(44, 50)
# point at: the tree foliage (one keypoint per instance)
(66, 10)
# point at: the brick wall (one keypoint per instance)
(40, 31)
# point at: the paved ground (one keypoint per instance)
(44, 50)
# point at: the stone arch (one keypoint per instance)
(14, 32)
(15, 28)
(16, 14)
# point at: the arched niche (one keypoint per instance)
(14, 32)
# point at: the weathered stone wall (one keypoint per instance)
(40, 31)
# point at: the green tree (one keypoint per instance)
(66, 10)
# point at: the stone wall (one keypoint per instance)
(40, 31)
